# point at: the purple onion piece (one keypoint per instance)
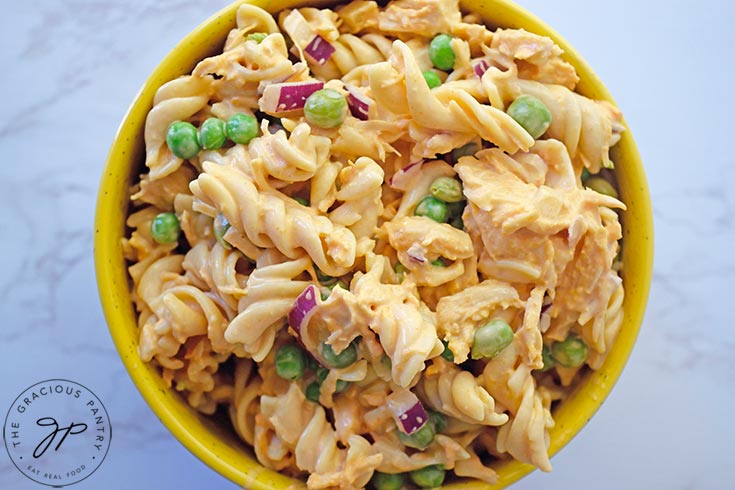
(319, 49)
(415, 418)
(480, 67)
(416, 258)
(286, 97)
(359, 106)
(304, 304)
(545, 307)
(407, 411)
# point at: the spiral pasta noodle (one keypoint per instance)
(348, 240)
(246, 391)
(214, 268)
(284, 224)
(454, 112)
(250, 63)
(307, 436)
(457, 393)
(249, 19)
(270, 292)
(588, 128)
(609, 329)
(511, 383)
(360, 197)
(294, 159)
(176, 100)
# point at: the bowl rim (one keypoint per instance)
(112, 279)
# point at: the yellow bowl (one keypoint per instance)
(211, 440)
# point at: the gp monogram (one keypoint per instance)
(57, 432)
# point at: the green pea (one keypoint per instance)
(441, 53)
(455, 209)
(212, 134)
(324, 278)
(387, 481)
(290, 362)
(258, 37)
(432, 208)
(220, 225)
(345, 358)
(446, 353)
(165, 228)
(325, 108)
(438, 419)
(341, 386)
(419, 439)
(321, 375)
(311, 363)
(432, 79)
(548, 359)
(439, 262)
(447, 189)
(532, 114)
(570, 352)
(464, 151)
(302, 201)
(385, 361)
(182, 139)
(491, 339)
(585, 174)
(400, 271)
(241, 128)
(313, 392)
(598, 184)
(431, 476)
(326, 291)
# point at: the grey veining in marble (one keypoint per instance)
(70, 68)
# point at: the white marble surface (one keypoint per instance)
(70, 68)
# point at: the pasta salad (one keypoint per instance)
(383, 238)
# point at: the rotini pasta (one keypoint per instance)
(399, 86)
(587, 127)
(270, 292)
(511, 383)
(178, 99)
(359, 194)
(456, 393)
(269, 219)
(293, 158)
(351, 239)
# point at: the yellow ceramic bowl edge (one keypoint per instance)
(221, 450)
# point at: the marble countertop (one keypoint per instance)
(71, 69)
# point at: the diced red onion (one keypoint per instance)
(287, 97)
(319, 49)
(302, 307)
(407, 411)
(359, 105)
(480, 67)
(402, 179)
(416, 253)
